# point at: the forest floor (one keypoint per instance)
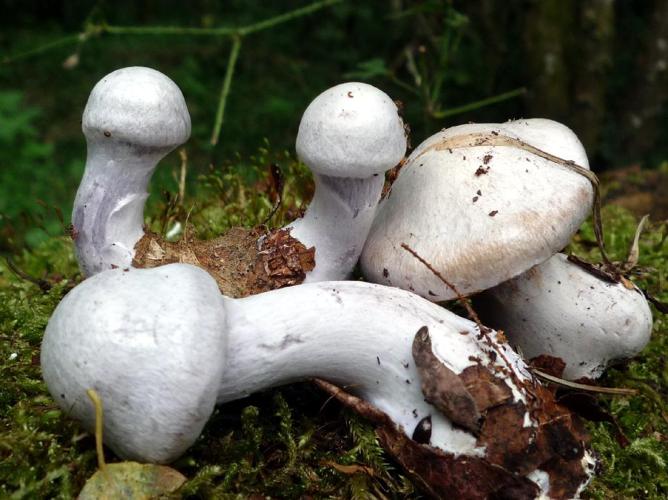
(293, 441)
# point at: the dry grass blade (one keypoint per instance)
(620, 391)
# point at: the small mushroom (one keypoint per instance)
(133, 118)
(482, 203)
(562, 310)
(349, 136)
(161, 346)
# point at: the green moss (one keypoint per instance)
(293, 441)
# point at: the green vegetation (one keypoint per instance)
(290, 441)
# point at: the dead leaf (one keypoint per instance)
(131, 481)
(349, 469)
(442, 387)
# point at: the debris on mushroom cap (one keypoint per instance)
(351, 130)
(137, 106)
(482, 203)
(161, 345)
(561, 310)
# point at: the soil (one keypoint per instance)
(243, 261)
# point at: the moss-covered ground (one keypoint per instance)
(293, 441)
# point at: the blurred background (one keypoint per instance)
(599, 66)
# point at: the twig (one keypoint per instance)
(465, 301)
(479, 104)
(54, 44)
(288, 16)
(182, 177)
(44, 285)
(97, 403)
(225, 89)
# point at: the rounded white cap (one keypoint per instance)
(151, 342)
(559, 309)
(351, 130)
(139, 106)
(479, 214)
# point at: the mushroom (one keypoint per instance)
(454, 405)
(349, 135)
(133, 118)
(562, 310)
(482, 203)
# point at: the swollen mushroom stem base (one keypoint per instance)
(161, 346)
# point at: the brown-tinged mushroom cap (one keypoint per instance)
(482, 203)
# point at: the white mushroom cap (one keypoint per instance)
(348, 136)
(561, 310)
(133, 118)
(156, 362)
(137, 106)
(351, 130)
(479, 213)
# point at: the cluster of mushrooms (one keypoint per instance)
(475, 208)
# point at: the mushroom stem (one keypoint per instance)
(133, 118)
(109, 206)
(337, 223)
(356, 335)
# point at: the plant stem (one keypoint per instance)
(54, 44)
(479, 104)
(225, 89)
(288, 16)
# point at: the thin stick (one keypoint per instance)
(54, 44)
(288, 16)
(479, 104)
(97, 403)
(231, 31)
(182, 177)
(472, 314)
(44, 285)
(584, 387)
(225, 89)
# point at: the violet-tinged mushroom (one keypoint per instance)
(561, 310)
(161, 346)
(349, 136)
(482, 203)
(133, 118)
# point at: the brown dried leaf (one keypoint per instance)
(349, 469)
(549, 364)
(442, 387)
(438, 474)
(487, 389)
